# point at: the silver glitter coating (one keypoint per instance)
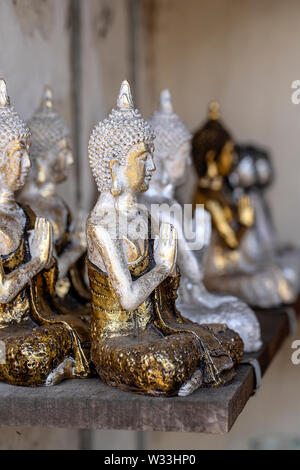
(170, 130)
(46, 126)
(12, 127)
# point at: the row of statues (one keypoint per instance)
(138, 307)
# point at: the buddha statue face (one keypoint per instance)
(264, 171)
(175, 165)
(226, 158)
(52, 166)
(51, 143)
(14, 145)
(15, 164)
(121, 149)
(172, 143)
(252, 168)
(135, 174)
(244, 172)
(213, 151)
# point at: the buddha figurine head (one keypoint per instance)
(252, 168)
(264, 168)
(14, 145)
(243, 174)
(51, 150)
(172, 144)
(212, 151)
(121, 149)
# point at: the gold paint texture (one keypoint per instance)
(37, 337)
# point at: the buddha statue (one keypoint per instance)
(172, 156)
(51, 155)
(140, 341)
(229, 268)
(41, 344)
(252, 174)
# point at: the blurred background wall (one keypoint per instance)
(245, 54)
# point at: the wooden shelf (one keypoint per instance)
(90, 404)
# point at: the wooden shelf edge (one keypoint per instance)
(90, 404)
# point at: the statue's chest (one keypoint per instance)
(134, 249)
(11, 232)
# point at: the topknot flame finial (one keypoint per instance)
(165, 104)
(214, 110)
(125, 100)
(47, 100)
(4, 98)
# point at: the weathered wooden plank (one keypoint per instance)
(90, 404)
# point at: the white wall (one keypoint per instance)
(105, 63)
(246, 55)
(35, 39)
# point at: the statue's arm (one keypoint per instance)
(41, 251)
(11, 284)
(73, 252)
(130, 293)
(221, 224)
(186, 259)
(69, 257)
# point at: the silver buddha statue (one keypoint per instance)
(51, 155)
(252, 174)
(172, 155)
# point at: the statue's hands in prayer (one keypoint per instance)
(41, 243)
(165, 251)
(246, 211)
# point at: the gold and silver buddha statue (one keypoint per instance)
(229, 267)
(42, 343)
(172, 157)
(51, 154)
(140, 341)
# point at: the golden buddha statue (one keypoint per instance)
(41, 344)
(51, 156)
(229, 267)
(140, 341)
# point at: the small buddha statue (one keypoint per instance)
(229, 268)
(51, 155)
(252, 174)
(140, 341)
(41, 344)
(172, 156)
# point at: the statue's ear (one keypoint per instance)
(114, 165)
(116, 185)
(41, 171)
